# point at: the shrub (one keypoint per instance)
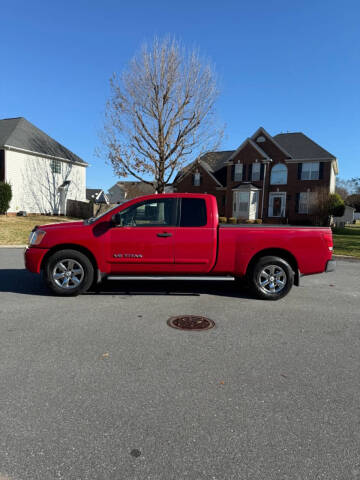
(336, 205)
(258, 221)
(222, 219)
(248, 220)
(5, 197)
(232, 220)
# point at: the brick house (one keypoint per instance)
(274, 178)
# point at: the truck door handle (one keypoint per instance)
(165, 234)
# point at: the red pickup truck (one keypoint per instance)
(176, 237)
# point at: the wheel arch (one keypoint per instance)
(71, 246)
(277, 252)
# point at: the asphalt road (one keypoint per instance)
(99, 387)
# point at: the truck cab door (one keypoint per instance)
(195, 237)
(143, 241)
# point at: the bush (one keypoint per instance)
(232, 220)
(258, 221)
(336, 205)
(222, 219)
(5, 197)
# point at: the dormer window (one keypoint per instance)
(196, 179)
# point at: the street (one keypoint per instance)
(100, 387)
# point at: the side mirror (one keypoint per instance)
(116, 219)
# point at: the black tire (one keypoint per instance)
(277, 272)
(82, 273)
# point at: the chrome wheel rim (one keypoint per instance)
(68, 273)
(272, 279)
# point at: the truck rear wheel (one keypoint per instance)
(69, 272)
(271, 278)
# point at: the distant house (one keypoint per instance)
(42, 172)
(126, 190)
(346, 218)
(274, 178)
(96, 195)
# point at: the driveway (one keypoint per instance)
(99, 387)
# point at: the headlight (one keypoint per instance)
(36, 237)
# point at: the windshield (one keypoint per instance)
(93, 219)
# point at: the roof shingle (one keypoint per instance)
(20, 133)
(301, 147)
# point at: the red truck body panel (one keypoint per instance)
(210, 249)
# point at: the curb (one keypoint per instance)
(13, 246)
(349, 258)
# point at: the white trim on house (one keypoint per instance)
(261, 130)
(43, 155)
(252, 195)
(272, 195)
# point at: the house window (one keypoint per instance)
(244, 202)
(278, 174)
(55, 166)
(196, 179)
(238, 172)
(307, 201)
(310, 171)
(255, 175)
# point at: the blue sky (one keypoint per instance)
(284, 65)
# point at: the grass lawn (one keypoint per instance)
(16, 230)
(347, 241)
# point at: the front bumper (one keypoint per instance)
(330, 266)
(33, 257)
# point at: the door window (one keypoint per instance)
(151, 213)
(277, 204)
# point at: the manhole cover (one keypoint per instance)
(191, 322)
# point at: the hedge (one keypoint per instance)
(5, 197)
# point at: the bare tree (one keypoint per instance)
(161, 109)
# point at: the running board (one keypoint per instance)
(165, 278)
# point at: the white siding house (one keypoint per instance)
(43, 174)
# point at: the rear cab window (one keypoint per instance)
(193, 212)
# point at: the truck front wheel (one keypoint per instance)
(271, 278)
(68, 272)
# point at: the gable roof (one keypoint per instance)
(211, 161)
(251, 142)
(302, 147)
(132, 189)
(20, 133)
(262, 131)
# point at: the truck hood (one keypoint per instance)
(52, 226)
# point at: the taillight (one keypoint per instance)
(329, 240)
